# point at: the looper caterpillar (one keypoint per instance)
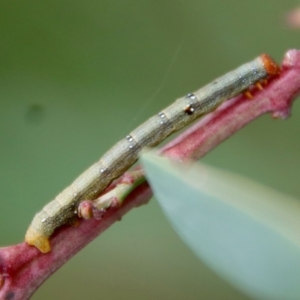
(125, 153)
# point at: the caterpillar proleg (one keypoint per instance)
(125, 153)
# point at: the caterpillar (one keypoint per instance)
(125, 153)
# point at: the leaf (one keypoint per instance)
(247, 233)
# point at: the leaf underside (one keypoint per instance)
(247, 233)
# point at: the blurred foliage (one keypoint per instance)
(76, 76)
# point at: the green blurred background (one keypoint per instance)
(76, 76)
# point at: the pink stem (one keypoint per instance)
(23, 268)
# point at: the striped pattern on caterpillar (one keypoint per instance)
(122, 155)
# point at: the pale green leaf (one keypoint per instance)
(248, 233)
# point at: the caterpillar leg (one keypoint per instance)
(39, 241)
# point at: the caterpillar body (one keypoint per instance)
(125, 153)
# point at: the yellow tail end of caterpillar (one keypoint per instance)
(39, 241)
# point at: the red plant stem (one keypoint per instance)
(23, 268)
